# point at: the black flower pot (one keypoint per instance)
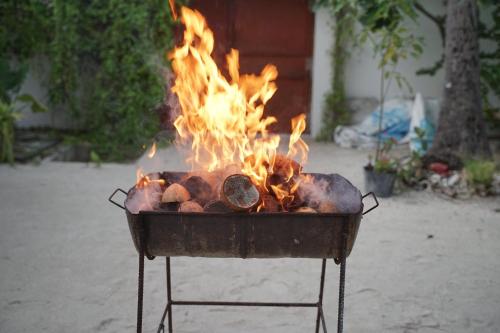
(380, 183)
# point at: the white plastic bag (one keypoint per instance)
(419, 120)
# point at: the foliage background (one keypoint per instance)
(106, 59)
(371, 18)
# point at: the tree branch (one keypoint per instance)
(439, 20)
(433, 69)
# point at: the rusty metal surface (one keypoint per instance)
(244, 235)
(254, 235)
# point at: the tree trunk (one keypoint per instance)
(461, 131)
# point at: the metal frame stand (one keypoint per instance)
(168, 309)
(320, 318)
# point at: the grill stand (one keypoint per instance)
(320, 318)
(168, 309)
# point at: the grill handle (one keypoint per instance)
(114, 202)
(374, 198)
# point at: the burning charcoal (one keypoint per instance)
(270, 204)
(199, 189)
(239, 193)
(305, 210)
(327, 207)
(175, 193)
(190, 207)
(216, 206)
(169, 206)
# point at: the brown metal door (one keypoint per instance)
(267, 31)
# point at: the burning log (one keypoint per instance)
(305, 210)
(282, 182)
(169, 206)
(190, 207)
(270, 204)
(284, 169)
(175, 193)
(199, 189)
(296, 202)
(239, 193)
(216, 206)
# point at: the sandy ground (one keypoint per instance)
(421, 263)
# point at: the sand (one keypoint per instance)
(421, 263)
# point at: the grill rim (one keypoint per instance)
(247, 227)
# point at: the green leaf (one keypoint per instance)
(36, 106)
(95, 158)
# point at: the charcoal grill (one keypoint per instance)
(243, 235)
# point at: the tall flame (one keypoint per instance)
(172, 9)
(223, 120)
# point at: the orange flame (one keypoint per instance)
(172, 9)
(296, 143)
(223, 121)
(152, 151)
(143, 181)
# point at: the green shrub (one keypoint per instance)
(106, 59)
(480, 172)
(11, 105)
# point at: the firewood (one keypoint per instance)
(170, 177)
(169, 206)
(190, 207)
(239, 193)
(282, 166)
(305, 210)
(216, 206)
(327, 207)
(199, 189)
(296, 202)
(271, 205)
(175, 193)
(231, 169)
(310, 200)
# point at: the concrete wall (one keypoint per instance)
(36, 84)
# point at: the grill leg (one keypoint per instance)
(340, 320)
(323, 322)
(320, 298)
(140, 289)
(168, 307)
(169, 297)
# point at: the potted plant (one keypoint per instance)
(411, 169)
(391, 42)
(381, 175)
